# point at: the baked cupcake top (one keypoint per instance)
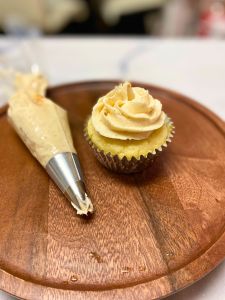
(127, 113)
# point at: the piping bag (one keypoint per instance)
(43, 126)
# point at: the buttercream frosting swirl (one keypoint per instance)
(127, 113)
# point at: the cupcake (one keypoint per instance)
(127, 129)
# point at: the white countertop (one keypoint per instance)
(192, 67)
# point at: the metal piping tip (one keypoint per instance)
(65, 170)
(84, 209)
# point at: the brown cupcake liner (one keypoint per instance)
(133, 165)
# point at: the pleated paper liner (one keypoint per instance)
(133, 165)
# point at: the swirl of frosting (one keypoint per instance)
(127, 113)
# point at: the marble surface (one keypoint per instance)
(193, 67)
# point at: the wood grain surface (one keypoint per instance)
(152, 234)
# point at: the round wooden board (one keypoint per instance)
(152, 234)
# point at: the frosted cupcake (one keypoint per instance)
(128, 128)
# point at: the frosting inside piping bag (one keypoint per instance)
(42, 125)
